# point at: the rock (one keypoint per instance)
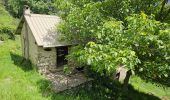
(52, 70)
(165, 98)
(120, 74)
(60, 81)
(1, 42)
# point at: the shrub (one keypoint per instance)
(7, 25)
(6, 33)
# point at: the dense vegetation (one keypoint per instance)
(114, 33)
(134, 34)
(15, 7)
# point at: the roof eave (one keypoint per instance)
(20, 25)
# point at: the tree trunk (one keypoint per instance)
(126, 80)
(166, 15)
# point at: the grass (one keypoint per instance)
(7, 23)
(15, 83)
(150, 88)
(5, 19)
(20, 81)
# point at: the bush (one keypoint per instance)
(6, 33)
(15, 7)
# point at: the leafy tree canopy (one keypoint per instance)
(15, 7)
(112, 33)
(120, 9)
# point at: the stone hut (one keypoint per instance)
(40, 42)
(42, 46)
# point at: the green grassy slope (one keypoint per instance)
(19, 81)
(5, 18)
(7, 23)
(149, 88)
(16, 83)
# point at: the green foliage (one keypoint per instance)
(104, 58)
(6, 33)
(84, 23)
(15, 7)
(118, 9)
(138, 41)
(151, 41)
(67, 70)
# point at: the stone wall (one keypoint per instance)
(47, 58)
(38, 55)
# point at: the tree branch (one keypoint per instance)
(161, 11)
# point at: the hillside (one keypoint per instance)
(19, 79)
(7, 24)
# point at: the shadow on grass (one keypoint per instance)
(165, 81)
(132, 94)
(21, 62)
(112, 90)
(82, 92)
(45, 87)
(95, 91)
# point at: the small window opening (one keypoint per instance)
(80, 69)
(47, 49)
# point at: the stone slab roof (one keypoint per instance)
(43, 28)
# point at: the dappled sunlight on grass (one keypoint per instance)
(150, 88)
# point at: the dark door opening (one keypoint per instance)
(62, 52)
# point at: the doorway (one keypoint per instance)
(62, 52)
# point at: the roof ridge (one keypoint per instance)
(43, 15)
